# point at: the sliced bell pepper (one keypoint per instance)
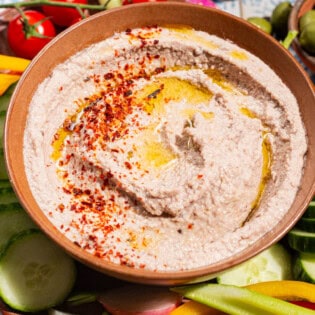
(195, 308)
(6, 80)
(288, 290)
(11, 68)
(12, 64)
(235, 300)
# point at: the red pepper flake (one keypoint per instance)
(61, 207)
(65, 190)
(199, 176)
(97, 254)
(60, 88)
(128, 165)
(128, 93)
(92, 238)
(159, 70)
(108, 76)
(190, 226)
(77, 191)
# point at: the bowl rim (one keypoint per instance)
(124, 272)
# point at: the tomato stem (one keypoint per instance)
(30, 30)
(81, 12)
(78, 6)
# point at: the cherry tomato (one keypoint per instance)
(63, 16)
(27, 37)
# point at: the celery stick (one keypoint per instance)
(235, 300)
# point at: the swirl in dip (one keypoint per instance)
(164, 148)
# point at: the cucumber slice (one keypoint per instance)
(310, 211)
(272, 264)
(306, 224)
(304, 267)
(35, 273)
(3, 170)
(13, 219)
(301, 241)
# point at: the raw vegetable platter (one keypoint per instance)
(49, 282)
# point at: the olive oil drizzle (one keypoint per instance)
(67, 128)
(155, 97)
(266, 165)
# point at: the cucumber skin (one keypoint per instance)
(22, 234)
(27, 308)
(305, 243)
(299, 271)
(306, 224)
(13, 220)
(310, 211)
(17, 237)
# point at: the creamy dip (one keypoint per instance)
(164, 148)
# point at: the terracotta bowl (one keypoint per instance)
(300, 7)
(104, 24)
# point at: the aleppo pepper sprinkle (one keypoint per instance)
(102, 119)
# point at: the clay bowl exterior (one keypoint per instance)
(300, 7)
(102, 25)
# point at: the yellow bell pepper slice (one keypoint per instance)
(289, 290)
(195, 308)
(11, 68)
(6, 80)
(14, 65)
